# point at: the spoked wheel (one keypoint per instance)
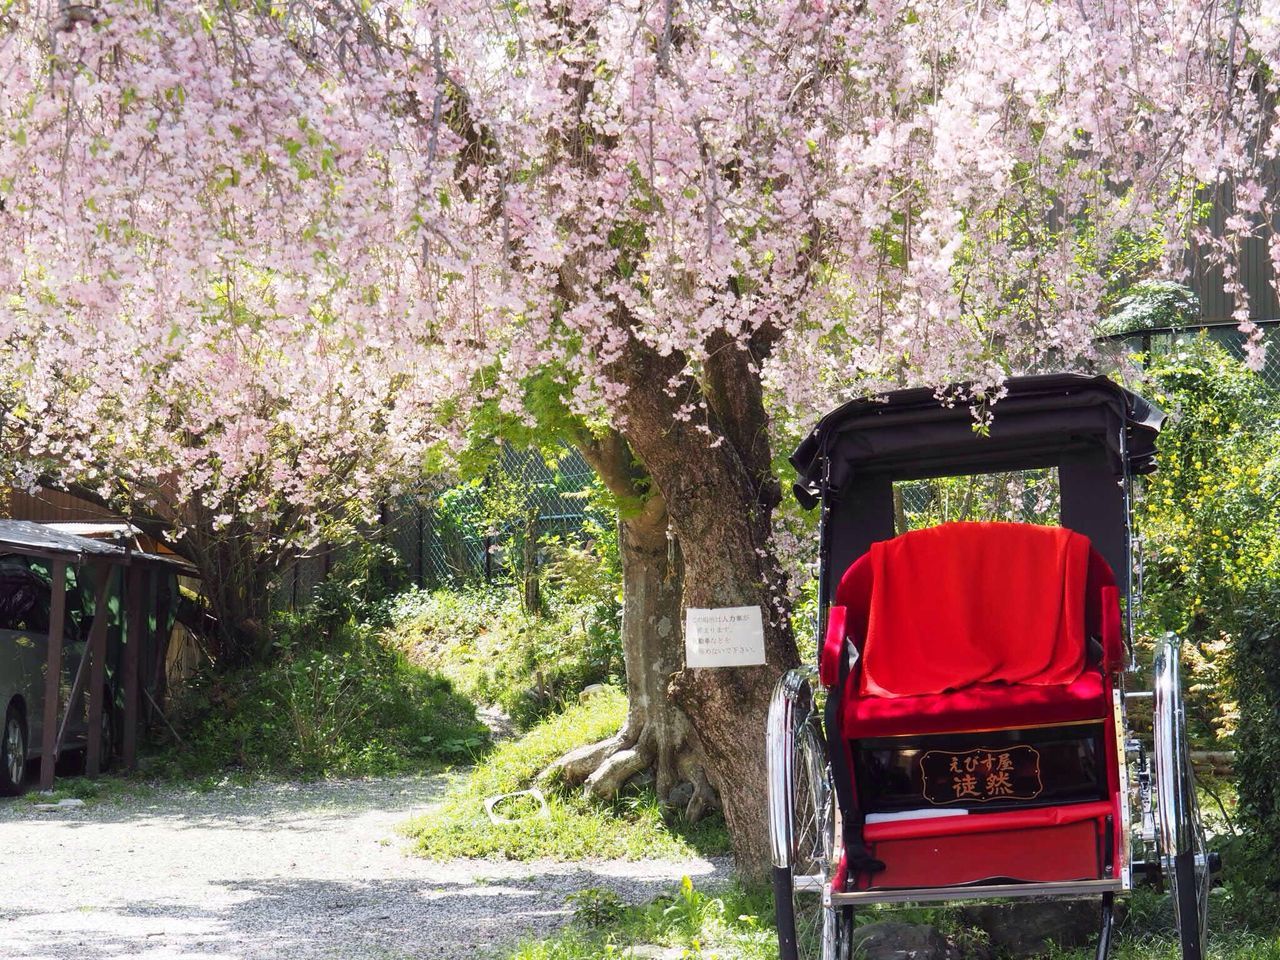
(1184, 857)
(802, 827)
(812, 925)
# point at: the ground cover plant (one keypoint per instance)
(575, 827)
(346, 706)
(735, 922)
(529, 664)
(1241, 927)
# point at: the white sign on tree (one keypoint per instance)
(723, 637)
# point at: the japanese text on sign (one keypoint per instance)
(981, 775)
(723, 637)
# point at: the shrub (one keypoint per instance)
(596, 907)
(1151, 304)
(529, 664)
(343, 704)
(1256, 677)
(365, 578)
(1210, 529)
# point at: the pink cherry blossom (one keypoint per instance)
(262, 261)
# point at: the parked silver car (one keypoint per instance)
(24, 652)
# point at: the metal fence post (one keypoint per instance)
(422, 544)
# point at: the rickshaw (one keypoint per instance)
(964, 734)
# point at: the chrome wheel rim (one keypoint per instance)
(811, 848)
(1181, 830)
(14, 750)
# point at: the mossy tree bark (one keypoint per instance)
(657, 735)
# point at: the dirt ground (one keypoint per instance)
(272, 870)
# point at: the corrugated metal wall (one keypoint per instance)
(52, 506)
(1215, 304)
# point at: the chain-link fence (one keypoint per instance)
(486, 530)
(1163, 340)
(491, 528)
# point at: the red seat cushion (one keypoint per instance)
(966, 603)
(983, 706)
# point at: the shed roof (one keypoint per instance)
(96, 529)
(43, 540)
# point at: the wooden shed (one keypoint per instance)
(115, 602)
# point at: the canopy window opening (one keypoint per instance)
(1011, 496)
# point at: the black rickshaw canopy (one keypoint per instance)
(1093, 431)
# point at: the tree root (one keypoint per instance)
(704, 799)
(603, 769)
(578, 764)
(609, 778)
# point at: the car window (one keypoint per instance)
(24, 598)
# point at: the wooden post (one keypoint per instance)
(165, 602)
(98, 668)
(73, 698)
(53, 673)
(135, 630)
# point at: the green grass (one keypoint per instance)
(1244, 924)
(341, 704)
(577, 828)
(494, 652)
(1238, 945)
(107, 788)
(735, 923)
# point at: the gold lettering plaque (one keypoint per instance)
(980, 775)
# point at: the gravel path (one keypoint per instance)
(287, 871)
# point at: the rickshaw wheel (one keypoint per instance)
(1184, 855)
(811, 931)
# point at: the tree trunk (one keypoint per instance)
(531, 592)
(728, 564)
(236, 577)
(657, 735)
(721, 493)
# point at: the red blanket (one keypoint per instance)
(966, 603)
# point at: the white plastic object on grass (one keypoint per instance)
(491, 802)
